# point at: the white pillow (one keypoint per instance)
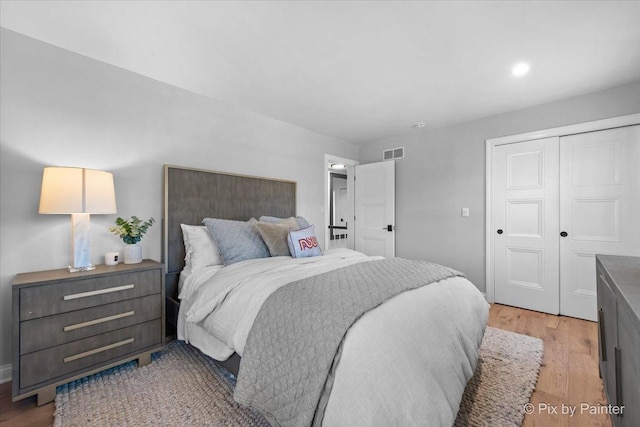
(200, 248)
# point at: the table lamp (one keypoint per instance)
(79, 192)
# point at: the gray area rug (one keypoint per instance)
(503, 381)
(184, 387)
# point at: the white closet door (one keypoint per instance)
(526, 244)
(599, 210)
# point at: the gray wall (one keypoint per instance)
(62, 109)
(444, 171)
(58, 108)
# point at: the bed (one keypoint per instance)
(401, 360)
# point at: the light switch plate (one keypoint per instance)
(465, 212)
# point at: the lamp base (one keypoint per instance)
(80, 225)
(77, 269)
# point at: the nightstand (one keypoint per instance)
(70, 325)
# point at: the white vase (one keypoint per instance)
(132, 253)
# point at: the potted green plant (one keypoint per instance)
(131, 232)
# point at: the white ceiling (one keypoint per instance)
(358, 71)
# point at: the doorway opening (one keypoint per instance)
(339, 200)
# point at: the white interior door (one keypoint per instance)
(599, 210)
(375, 208)
(525, 221)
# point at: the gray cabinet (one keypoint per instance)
(618, 285)
(69, 325)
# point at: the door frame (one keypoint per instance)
(628, 120)
(328, 159)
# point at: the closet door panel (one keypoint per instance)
(599, 205)
(525, 185)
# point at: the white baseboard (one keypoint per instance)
(5, 373)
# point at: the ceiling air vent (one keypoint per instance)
(394, 153)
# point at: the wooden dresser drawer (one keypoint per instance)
(619, 335)
(63, 360)
(45, 332)
(69, 325)
(54, 298)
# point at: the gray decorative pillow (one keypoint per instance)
(275, 235)
(237, 240)
(302, 223)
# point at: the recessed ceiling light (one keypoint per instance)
(338, 166)
(419, 125)
(520, 69)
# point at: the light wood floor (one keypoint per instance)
(569, 374)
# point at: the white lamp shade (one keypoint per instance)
(77, 190)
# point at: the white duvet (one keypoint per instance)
(405, 363)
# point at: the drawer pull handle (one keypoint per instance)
(97, 350)
(618, 372)
(97, 292)
(96, 321)
(603, 343)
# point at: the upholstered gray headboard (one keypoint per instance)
(190, 195)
